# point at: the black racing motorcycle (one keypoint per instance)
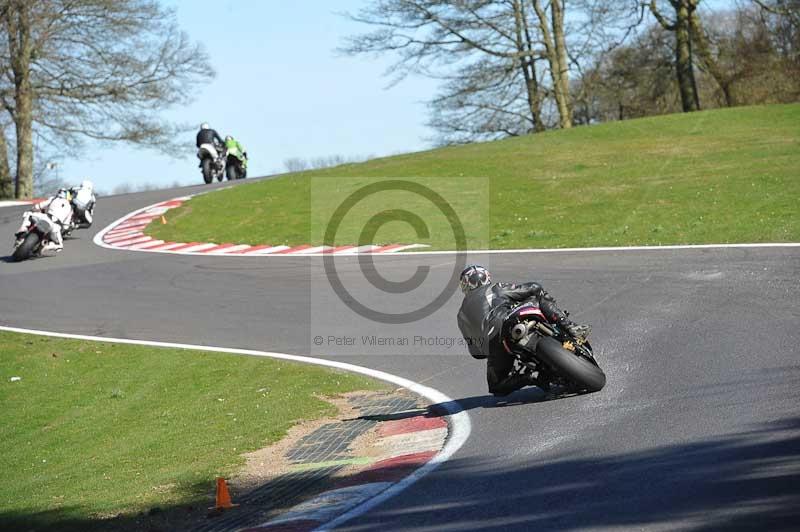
(547, 352)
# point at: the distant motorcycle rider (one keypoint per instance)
(206, 135)
(83, 201)
(482, 318)
(231, 144)
(59, 210)
(235, 150)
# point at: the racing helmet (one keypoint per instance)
(474, 276)
(87, 185)
(204, 125)
(60, 210)
(228, 138)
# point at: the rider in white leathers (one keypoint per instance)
(83, 201)
(59, 210)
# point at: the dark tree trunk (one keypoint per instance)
(534, 103)
(727, 92)
(20, 48)
(565, 103)
(24, 121)
(684, 63)
(6, 181)
(683, 59)
(724, 80)
(552, 36)
(528, 66)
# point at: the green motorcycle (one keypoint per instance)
(236, 159)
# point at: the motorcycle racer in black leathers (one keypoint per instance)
(206, 135)
(482, 316)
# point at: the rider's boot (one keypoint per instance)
(52, 246)
(543, 383)
(579, 332)
(512, 384)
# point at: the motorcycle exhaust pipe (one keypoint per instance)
(518, 331)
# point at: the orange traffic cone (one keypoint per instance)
(223, 497)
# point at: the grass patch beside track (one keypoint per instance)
(722, 176)
(94, 429)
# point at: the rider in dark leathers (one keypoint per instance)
(206, 135)
(482, 317)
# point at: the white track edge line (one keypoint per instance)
(98, 240)
(459, 424)
(605, 249)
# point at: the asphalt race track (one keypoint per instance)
(698, 427)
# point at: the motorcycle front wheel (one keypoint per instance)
(27, 247)
(571, 366)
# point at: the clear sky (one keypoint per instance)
(281, 89)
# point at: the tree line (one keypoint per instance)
(106, 70)
(72, 70)
(514, 67)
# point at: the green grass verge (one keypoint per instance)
(717, 176)
(95, 429)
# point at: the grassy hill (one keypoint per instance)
(718, 176)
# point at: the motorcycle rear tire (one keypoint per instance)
(26, 248)
(208, 174)
(575, 368)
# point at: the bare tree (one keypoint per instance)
(680, 25)
(494, 95)
(18, 25)
(551, 29)
(122, 188)
(743, 56)
(634, 80)
(505, 65)
(47, 180)
(784, 8)
(481, 49)
(710, 60)
(783, 17)
(295, 164)
(97, 69)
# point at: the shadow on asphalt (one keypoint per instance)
(526, 396)
(742, 481)
(10, 259)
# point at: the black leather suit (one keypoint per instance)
(481, 318)
(207, 136)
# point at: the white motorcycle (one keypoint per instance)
(83, 202)
(212, 161)
(37, 237)
(42, 231)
